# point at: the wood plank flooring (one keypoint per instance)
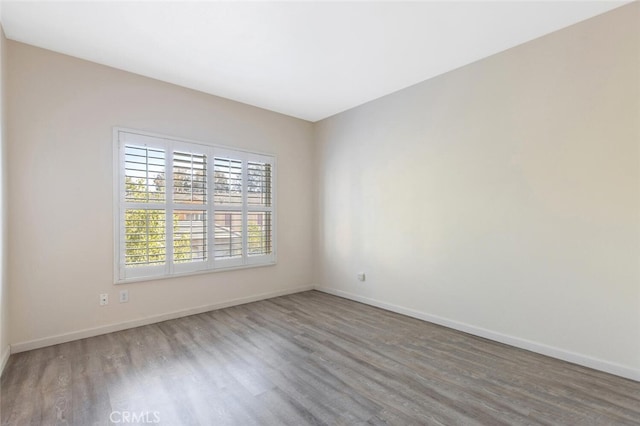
(305, 359)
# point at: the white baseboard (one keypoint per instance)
(575, 358)
(4, 357)
(96, 331)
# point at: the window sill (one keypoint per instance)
(188, 274)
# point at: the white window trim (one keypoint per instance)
(169, 269)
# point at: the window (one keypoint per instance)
(183, 207)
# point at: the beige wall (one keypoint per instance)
(4, 282)
(501, 198)
(62, 111)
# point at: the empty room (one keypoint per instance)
(320, 213)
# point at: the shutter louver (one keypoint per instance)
(259, 233)
(189, 178)
(228, 234)
(144, 171)
(145, 237)
(144, 225)
(259, 200)
(227, 175)
(189, 236)
(228, 200)
(189, 181)
(259, 184)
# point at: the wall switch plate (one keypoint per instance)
(104, 299)
(124, 296)
(361, 276)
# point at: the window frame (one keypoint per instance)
(170, 268)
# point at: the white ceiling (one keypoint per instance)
(305, 59)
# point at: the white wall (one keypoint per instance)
(501, 198)
(61, 114)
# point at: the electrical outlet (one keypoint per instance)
(104, 299)
(124, 296)
(361, 276)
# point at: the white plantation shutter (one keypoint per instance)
(228, 203)
(260, 208)
(184, 207)
(143, 245)
(243, 208)
(189, 189)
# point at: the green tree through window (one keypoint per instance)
(145, 229)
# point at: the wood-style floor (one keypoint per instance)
(308, 358)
